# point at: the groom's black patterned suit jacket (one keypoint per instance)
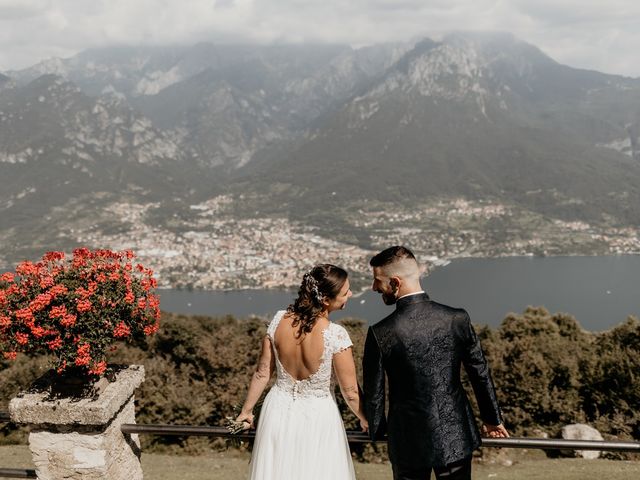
(421, 347)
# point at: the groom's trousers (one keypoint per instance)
(456, 471)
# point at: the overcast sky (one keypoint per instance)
(594, 34)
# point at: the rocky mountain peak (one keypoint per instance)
(452, 70)
(465, 63)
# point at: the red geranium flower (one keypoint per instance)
(55, 344)
(83, 306)
(22, 338)
(48, 306)
(7, 277)
(52, 256)
(129, 297)
(58, 311)
(68, 320)
(121, 330)
(98, 368)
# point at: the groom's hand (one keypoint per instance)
(494, 431)
(364, 425)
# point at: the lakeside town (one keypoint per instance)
(215, 250)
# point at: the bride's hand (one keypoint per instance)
(247, 419)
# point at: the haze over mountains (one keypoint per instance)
(299, 130)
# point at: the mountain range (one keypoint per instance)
(481, 117)
(301, 130)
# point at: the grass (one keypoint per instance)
(530, 465)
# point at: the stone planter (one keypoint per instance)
(81, 438)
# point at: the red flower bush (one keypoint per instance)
(75, 309)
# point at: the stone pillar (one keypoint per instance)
(81, 439)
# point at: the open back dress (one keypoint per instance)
(300, 433)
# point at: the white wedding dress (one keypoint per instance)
(300, 434)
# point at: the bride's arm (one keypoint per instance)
(259, 381)
(345, 369)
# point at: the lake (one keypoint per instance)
(600, 292)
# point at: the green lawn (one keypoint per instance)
(233, 466)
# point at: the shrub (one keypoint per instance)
(611, 381)
(536, 362)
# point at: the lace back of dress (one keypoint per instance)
(319, 384)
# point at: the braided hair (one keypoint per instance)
(322, 282)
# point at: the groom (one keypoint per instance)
(421, 347)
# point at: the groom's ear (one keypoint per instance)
(394, 282)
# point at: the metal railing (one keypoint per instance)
(17, 473)
(14, 472)
(359, 437)
(352, 436)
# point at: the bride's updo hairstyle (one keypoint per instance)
(322, 282)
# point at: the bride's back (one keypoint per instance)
(300, 356)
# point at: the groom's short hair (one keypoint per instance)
(392, 255)
(397, 261)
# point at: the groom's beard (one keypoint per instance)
(390, 298)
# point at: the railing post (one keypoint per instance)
(82, 439)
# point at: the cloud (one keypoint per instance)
(572, 13)
(224, 3)
(11, 10)
(583, 33)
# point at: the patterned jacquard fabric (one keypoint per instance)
(421, 348)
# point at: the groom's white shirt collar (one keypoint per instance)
(409, 294)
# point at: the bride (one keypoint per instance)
(300, 432)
